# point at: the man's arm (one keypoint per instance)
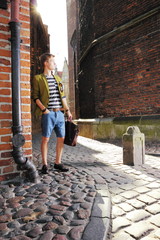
(66, 108)
(36, 96)
(41, 106)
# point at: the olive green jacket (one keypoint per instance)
(41, 91)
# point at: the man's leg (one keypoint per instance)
(59, 149)
(44, 152)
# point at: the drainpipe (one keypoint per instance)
(18, 139)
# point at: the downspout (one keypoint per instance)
(18, 139)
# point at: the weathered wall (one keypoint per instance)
(7, 166)
(72, 51)
(40, 43)
(119, 76)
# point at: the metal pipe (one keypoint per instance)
(18, 139)
(118, 30)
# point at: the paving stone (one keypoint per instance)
(154, 208)
(142, 189)
(86, 205)
(5, 218)
(148, 238)
(91, 194)
(83, 213)
(76, 232)
(101, 207)
(50, 226)
(59, 219)
(153, 185)
(155, 194)
(79, 195)
(118, 199)
(101, 186)
(65, 203)
(155, 220)
(58, 207)
(136, 203)
(140, 183)
(117, 211)
(137, 230)
(55, 212)
(3, 226)
(122, 236)
(22, 213)
(127, 186)
(14, 224)
(126, 207)
(129, 194)
(137, 215)
(98, 179)
(68, 215)
(78, 222)
(103, 193)
(100, 224)
(119, 223)
(157, 234)
(146, 199)
(35, 232)
(21, 237)
(59, 237)
(63, 229)
(47, 236)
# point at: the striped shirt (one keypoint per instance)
(54, 96)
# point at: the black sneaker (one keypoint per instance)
(44, 169)
(61, 167)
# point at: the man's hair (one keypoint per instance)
(44, 57)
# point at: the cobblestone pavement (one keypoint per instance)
(98, 199)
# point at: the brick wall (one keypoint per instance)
(7, 166)
(119, 76)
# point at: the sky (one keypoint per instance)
(54, 15)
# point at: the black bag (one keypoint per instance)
(71, 133)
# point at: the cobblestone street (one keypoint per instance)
(98, 199)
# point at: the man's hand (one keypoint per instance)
(69, 115)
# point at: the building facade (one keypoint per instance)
(118, 51)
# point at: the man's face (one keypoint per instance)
(50, 64)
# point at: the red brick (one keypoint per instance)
(6, 108)
(4, 20)
(26, 108)
(5, 147)
(8, 169)
(8, 176)
(26, 100)
(5, 91)
(5, 53)
(4, 12)
(6, 155)
(6, 116)
(4, 76)
(26, 71)
(25, 85)
(5, 162)
(25, 63)
(6, 99)
(5, 69)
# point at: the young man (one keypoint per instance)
(50, 101)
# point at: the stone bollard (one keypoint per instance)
(133, 146)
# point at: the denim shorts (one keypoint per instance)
(53, 121)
